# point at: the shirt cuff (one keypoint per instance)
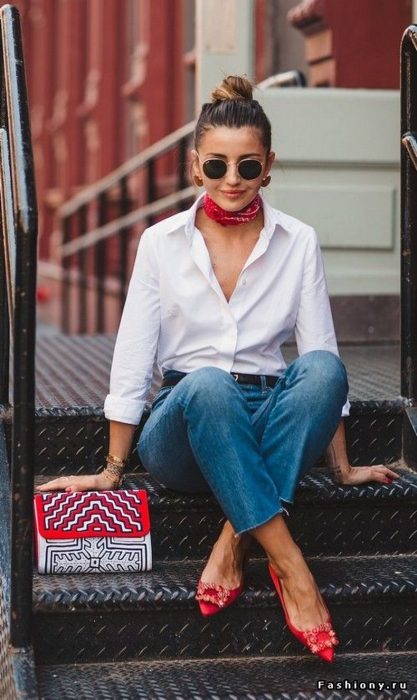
(346, 409)
(123, 410)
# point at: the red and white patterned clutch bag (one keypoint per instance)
(92, 531)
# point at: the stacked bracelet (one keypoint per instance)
(115, 467)
(114, 470)
(116, 460)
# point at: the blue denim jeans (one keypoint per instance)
(248, 444)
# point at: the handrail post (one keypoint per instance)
(151, 187)
(65, 280)
(409, 214)
(83, 273)
(23, 323)
(123, 243)
(100, 264)
(4, 327)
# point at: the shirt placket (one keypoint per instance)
(229, 311)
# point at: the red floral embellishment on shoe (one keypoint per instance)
(213, 593)
(313, 637)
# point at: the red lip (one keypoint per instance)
(232, 192)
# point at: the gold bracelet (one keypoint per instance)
(114, 470)
(116, 460)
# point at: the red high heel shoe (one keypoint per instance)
(212, 598)
(321, 639)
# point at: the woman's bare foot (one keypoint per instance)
(224, 566)
(305, 606)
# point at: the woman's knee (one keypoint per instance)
(324, 369)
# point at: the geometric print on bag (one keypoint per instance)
(92, 531)
(93, 514)
(97, 555)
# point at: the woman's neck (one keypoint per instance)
(239, 232)
(226, 217)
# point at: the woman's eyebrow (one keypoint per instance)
(245, 155)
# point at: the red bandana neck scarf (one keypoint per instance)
(231, 218)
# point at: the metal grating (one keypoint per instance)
(7, 686)
(233, 679)
(74, 370)
(325, 519)
(171, 585)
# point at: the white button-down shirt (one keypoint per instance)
(176, 315)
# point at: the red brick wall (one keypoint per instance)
(353, 43)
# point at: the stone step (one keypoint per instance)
(115, 617)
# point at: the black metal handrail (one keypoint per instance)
(94, 203)
(409, 214)
(18, 285)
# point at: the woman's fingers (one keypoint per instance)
(69, 484)
(380, 472)
(55, 484)
(386, 474)
(377, 472)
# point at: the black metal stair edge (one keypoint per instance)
(256, 678)
(17, 667)
(358, 408)
(171, 585)
(316, 487)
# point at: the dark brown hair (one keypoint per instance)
(232, 105)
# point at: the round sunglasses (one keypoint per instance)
(216, 168)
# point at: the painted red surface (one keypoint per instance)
(366, 36)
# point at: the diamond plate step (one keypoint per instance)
(72, 379)
(269, 678)
(325, 519)
(113, 617)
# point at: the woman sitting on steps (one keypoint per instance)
(214, 293)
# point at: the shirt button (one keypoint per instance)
(244, 283)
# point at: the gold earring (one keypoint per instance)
(198, 181)
(266, 181)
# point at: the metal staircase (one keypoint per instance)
(141, 636)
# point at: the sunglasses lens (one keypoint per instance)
(250, 169)
(214, 168)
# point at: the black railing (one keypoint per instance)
(18, 319)
(95, 260)
(409, 214)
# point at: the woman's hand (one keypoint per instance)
(360, 475)
(344, 473)
(86, 482)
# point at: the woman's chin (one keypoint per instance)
(232, 202)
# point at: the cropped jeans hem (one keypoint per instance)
(253, 527)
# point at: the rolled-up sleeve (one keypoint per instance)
(137, 339)
(314, 328)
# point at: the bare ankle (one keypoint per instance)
(289, 563)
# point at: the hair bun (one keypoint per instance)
(234, 87)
